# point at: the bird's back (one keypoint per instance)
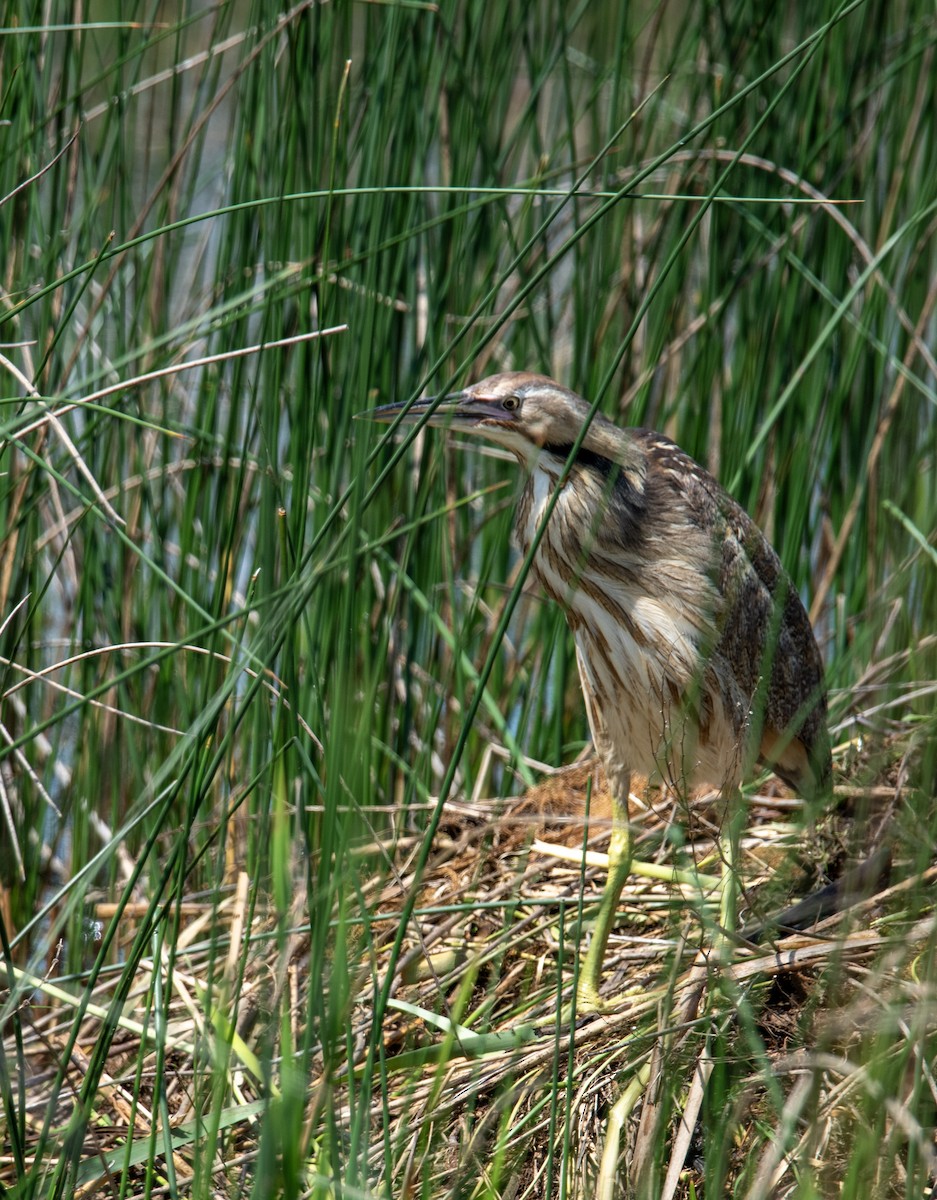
(695, 653)
(765, 639)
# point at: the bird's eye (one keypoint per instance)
(510, 403)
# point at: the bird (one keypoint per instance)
(696, 657)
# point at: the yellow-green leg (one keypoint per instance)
(729, 886)
(619, 867)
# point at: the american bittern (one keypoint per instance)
(695, 655)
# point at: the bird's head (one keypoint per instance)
(527, 414)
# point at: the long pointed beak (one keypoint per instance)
(458, 410)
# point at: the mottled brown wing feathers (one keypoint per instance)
(765, 636)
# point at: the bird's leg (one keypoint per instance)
(619, 867)
(729, 888)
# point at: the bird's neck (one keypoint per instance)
(600, 506)
(606, 472)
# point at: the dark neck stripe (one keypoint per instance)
(623, 491)
(584, 457)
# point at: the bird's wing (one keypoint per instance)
(764, 633)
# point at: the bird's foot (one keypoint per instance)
(589, 1002)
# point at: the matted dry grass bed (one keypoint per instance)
(474, 1041)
